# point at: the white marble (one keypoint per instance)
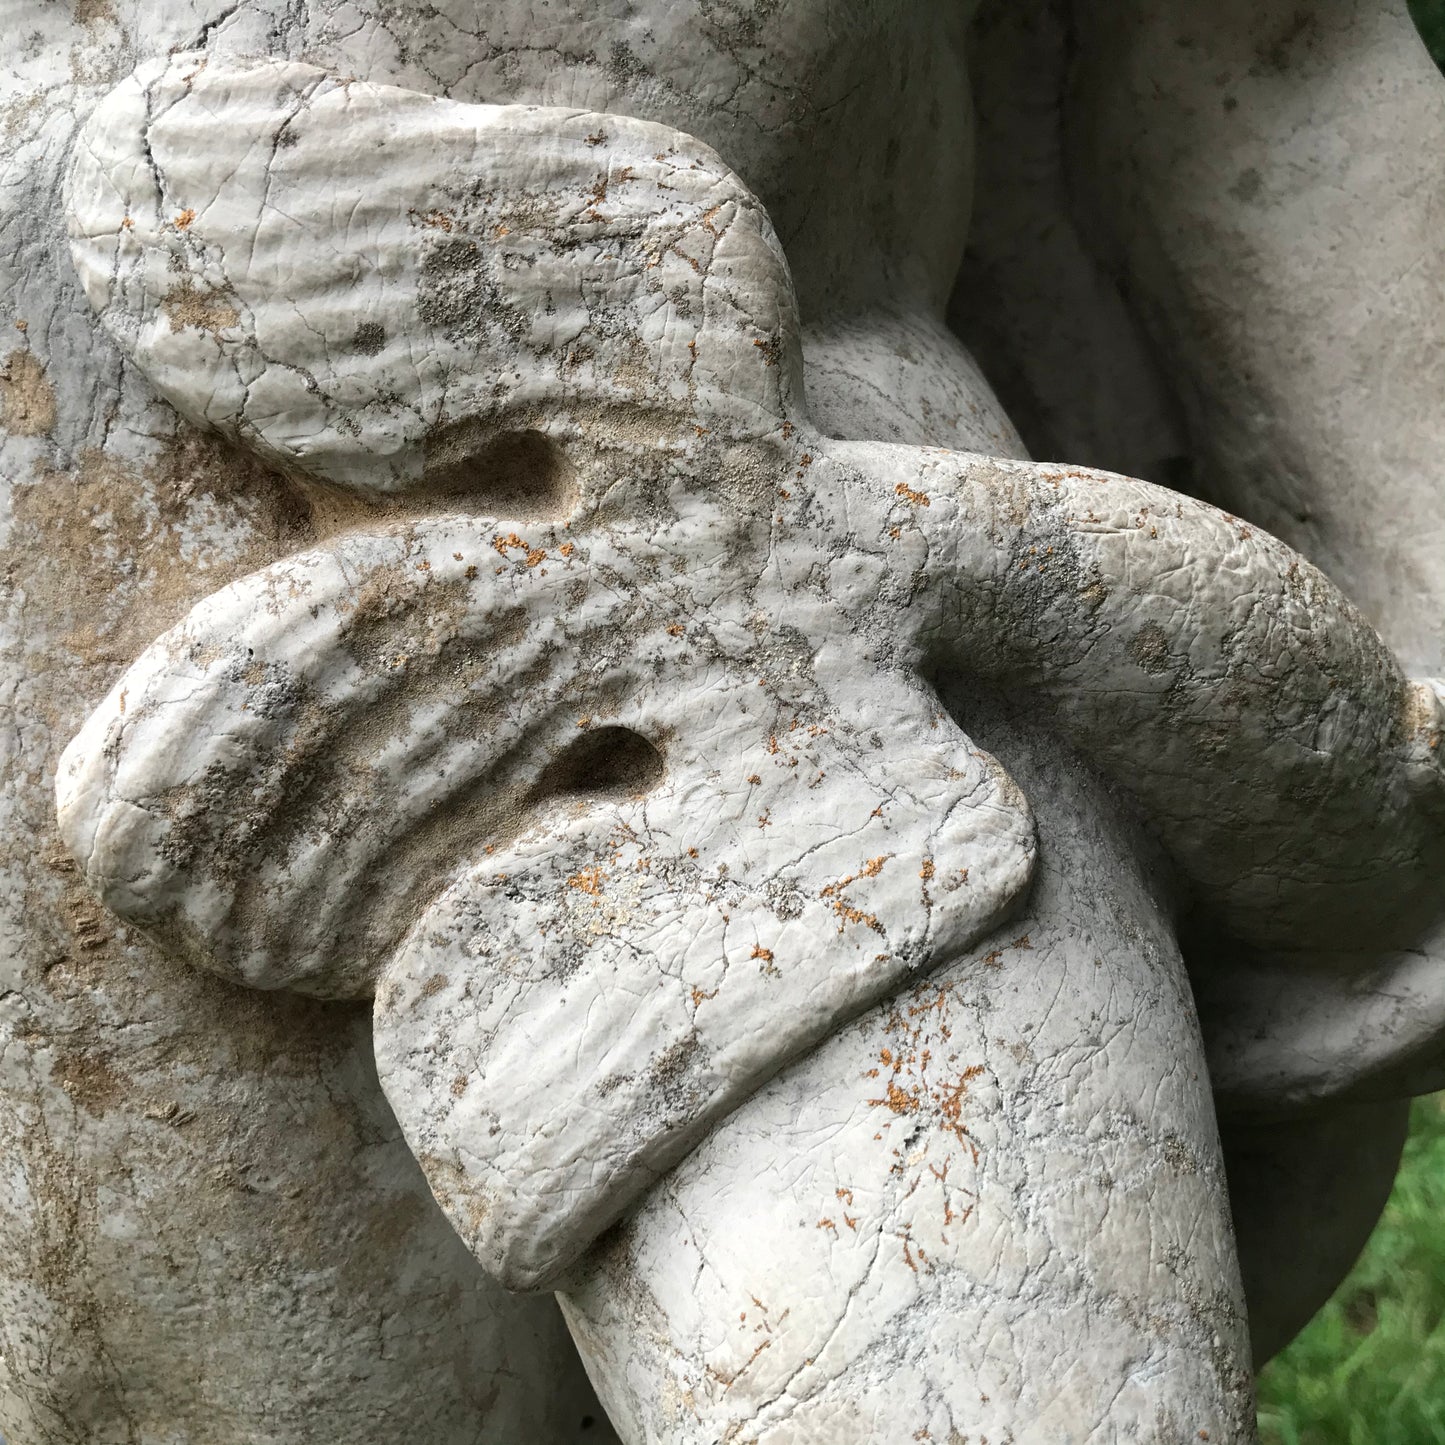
(763, 856)
(626, 795)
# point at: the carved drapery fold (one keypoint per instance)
(601, 742)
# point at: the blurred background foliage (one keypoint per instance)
(1370, 1367)
(1430, 21)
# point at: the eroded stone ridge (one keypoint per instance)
(366, 269)
(698, 821)
(599, 742)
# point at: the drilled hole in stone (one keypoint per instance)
(522, 474)
(609, 761)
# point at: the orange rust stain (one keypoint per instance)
(728, 1381)
(908, 1252)
(833, 893)
(512, 542)
(897, 1101)
(915, 1083)
(951, 1096)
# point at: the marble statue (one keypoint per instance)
(595, 847)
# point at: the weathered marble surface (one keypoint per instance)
(151, 1204)
(1215, 686)
(285, 783)
(1231, 213)
(565, 1019)
(953, 1249)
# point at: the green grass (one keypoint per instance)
(1370, 1368)
(1429, 16)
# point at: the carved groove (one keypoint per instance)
(521, 474)
(607, 762)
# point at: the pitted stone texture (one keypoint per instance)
(957, 1252)
(530, 274)
(117, 519)
(660, 908)
(737, 574)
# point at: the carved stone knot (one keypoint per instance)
(599, 741)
